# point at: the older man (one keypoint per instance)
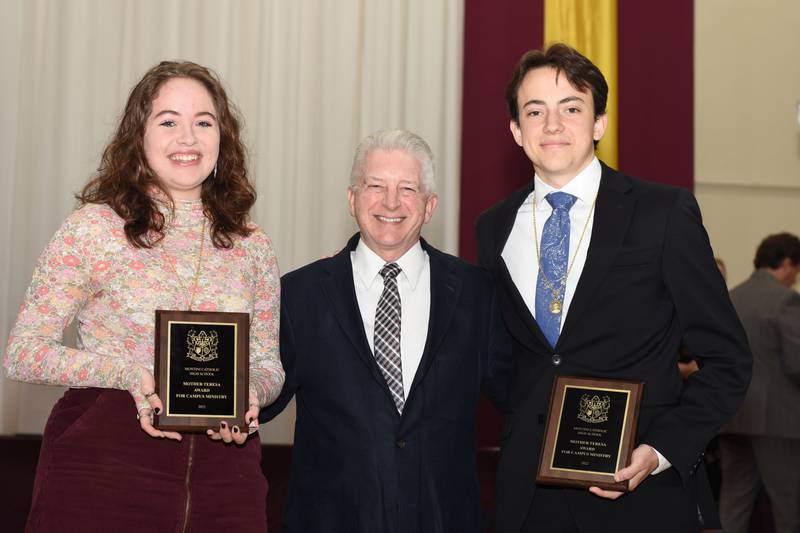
(386, 347)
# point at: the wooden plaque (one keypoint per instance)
(590, 432)
(202, 368)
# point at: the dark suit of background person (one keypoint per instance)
(358, 464)
(762, 442)
(649, 283)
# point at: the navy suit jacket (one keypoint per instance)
(649, 284)
(358, 465)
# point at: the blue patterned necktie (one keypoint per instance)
(553, 257)
(387, 334)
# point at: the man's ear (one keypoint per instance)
(351, 201)
(430, 207)
(513, 125)
(600, 124)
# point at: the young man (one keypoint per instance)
(602, 275)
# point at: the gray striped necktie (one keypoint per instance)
(387, 334)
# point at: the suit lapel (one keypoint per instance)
(521, 323)
(339, 289)
(612, 216)
(445, 291)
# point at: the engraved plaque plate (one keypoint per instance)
(201, 369)
(590, 432)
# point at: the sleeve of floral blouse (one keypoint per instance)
(61, 285)
(266, 372)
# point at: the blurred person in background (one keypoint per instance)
(761, 444)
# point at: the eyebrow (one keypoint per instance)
(562, 101)
(401, 183)
(171, 112)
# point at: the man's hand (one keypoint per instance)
(687, 369)
(643, 461)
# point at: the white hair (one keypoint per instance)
(390, 140)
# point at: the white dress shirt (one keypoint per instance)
(414, 285)
(520, 254)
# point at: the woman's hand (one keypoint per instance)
(147, 402)
(236, 434)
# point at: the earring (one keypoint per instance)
(215, 171)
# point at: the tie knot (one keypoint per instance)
(390, 271)
(560, 200)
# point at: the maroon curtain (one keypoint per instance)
(656, 90)
(496, 34)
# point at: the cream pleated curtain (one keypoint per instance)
(311, 77)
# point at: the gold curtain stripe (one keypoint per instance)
(590, 26)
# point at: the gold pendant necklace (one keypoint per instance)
(556, 302)
(174, 269)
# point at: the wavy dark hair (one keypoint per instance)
(125, 181)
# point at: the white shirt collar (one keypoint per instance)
(585, 185)
(367, 264)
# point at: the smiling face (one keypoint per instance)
(557, 127)
(389, 205)
(181, 137)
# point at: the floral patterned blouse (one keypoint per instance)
(90, 271)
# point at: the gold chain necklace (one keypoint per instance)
(193, 290)
(556, 302)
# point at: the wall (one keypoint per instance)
(747, 137)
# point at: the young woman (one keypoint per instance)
(163, 225)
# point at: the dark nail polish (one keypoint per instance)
(223, 425)
(157, 410)
(236, 429)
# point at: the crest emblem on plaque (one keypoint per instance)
(594, 409)
(202, 346)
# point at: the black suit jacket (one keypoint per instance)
(649, 282)
(358, 466)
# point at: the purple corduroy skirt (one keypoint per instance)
(98, 471)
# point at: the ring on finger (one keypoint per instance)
(140, 413)
(149, 394)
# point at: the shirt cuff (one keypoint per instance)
(663, 464)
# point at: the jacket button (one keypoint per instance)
(401, 444)
(556, 359)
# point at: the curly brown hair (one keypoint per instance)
(125, 181)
